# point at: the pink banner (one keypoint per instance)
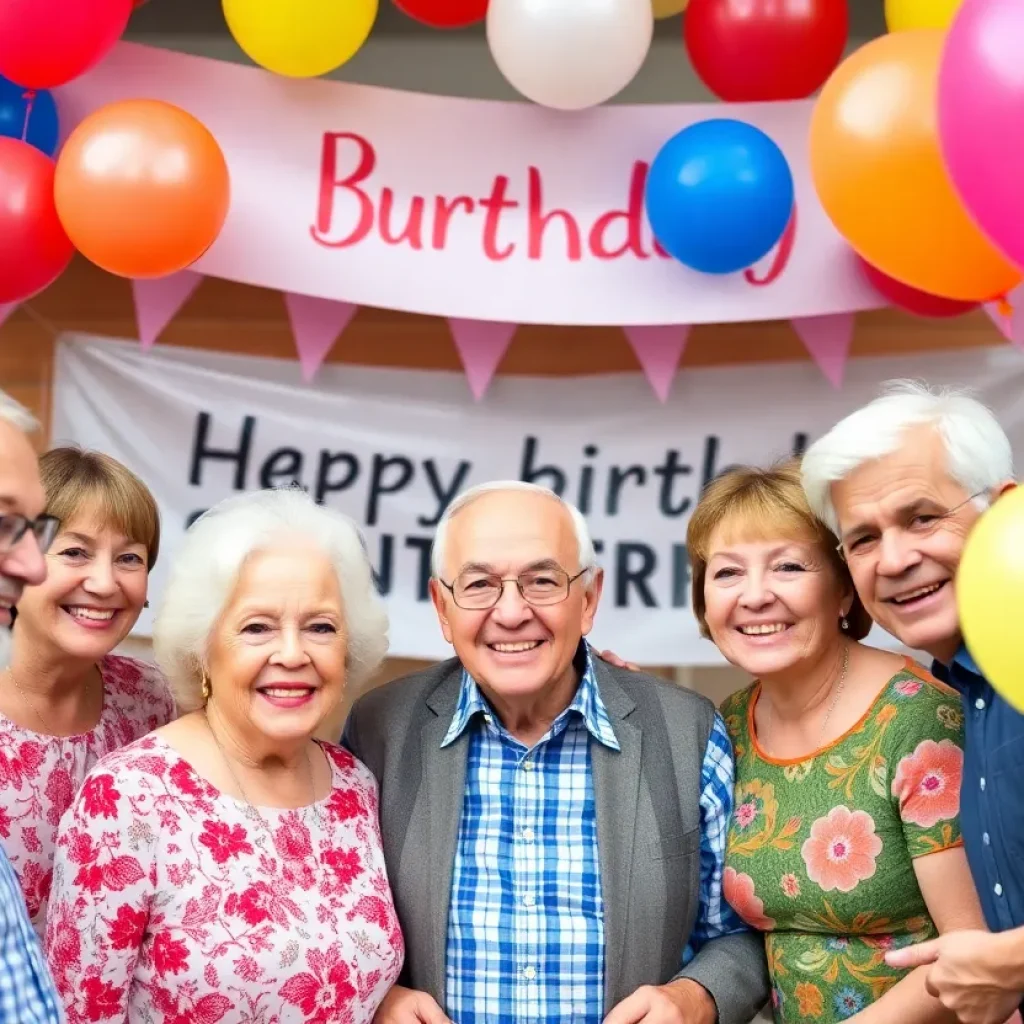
(1009, 316)
(828, 340)
(658, 350)
(316, 325)
(482, 345)
(472, 209)
(158, 299)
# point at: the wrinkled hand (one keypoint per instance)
(613, 659)
(969, 972)
(678, 1002)
(407, 1006)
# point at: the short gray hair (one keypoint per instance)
(978, 452)
(586, 554)
(13, 412)
(206, 569)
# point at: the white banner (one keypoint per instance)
(391, 447)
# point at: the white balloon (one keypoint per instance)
(569, 54)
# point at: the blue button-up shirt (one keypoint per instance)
(526, 920)
(27, 993)
(992, 797)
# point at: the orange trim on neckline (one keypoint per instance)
(910, 666)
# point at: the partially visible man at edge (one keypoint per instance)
(902, 481)
(27, 993)
(554, 828)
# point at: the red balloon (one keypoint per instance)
(45, 43)
(747, 51)
(445, 13)
(34, 248)
(912, 299)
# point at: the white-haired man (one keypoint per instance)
(27, 994)
(902, 481)
(554, 828)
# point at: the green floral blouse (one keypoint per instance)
(821, 850)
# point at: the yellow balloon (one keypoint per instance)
(300, 38)
(990, 595)
(901, 15)
(668, 8)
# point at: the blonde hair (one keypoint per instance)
(764, 503)
(76, 481)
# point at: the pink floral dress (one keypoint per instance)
(39, 775)
(172, 904)
(821, 849)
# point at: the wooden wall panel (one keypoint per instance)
(236, 318)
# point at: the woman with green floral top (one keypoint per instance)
(845, 839)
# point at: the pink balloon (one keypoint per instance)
(981, 116)
(45, 43)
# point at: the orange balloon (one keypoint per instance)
(142, 188)
(878, 170)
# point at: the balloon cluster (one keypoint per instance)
(914, 158)
(139, 187)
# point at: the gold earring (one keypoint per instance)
(207, 689)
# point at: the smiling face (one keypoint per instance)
(904, 522)
(771, 605)
(515, 651)
(94, 590)
(276, 659)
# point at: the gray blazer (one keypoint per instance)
(648, 828)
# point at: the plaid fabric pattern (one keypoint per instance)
(27, 993)
(526, 921)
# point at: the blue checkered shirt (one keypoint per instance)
(526, 920)
(27, 993)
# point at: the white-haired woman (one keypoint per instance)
(229, 866)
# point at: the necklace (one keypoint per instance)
(251, 811)
(831, 707)
(48, 729)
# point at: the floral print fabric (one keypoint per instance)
(173, 905)
(821, 850)
(39, 775)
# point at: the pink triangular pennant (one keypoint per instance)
(658, 350)
(1008, 316)
(6, 309)
(316, 325)
(481, 345)
(828, 340)
(158, 299)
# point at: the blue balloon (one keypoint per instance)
(719, 195)
(43, 130)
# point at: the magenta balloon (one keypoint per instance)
(981, 117)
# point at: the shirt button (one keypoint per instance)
(980, 704)
(528, 900)
(997, 889)
(488, 719)
(528, 834)
(528, 767)
(986, 839)
(981, 782)
(529, 974)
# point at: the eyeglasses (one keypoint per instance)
(928, 525)
(475, 591)
(14, 527)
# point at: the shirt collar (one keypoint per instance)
(962, 662)
(586, 703)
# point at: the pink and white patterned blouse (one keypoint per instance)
(40, 775)
(173, 904)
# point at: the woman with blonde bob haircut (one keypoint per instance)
(66, 700)
(230, 863)
(845, 836)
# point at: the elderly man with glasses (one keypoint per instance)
(902, 482)
(27, 993)
(554, 827)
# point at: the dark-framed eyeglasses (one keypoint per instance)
(13, 527)
(934, 520)
(475, 591)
